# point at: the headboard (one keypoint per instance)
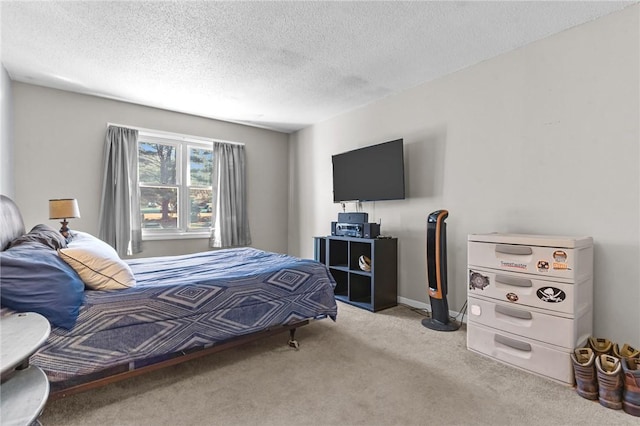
(11, 224)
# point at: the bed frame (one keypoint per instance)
(122, 372)
(12, 226)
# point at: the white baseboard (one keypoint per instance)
(414, 303)
(425, 306)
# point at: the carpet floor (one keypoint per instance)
(364, 369)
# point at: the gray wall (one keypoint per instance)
(58, 151)
(541, 140)
(6, 134)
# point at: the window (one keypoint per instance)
(176, 194)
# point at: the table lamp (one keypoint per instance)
(64, 209)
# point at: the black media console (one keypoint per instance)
(373, 290)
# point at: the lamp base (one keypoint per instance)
(64, 230)
(434, 324)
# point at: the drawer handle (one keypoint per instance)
(513, 312)
(509, 249)
(516, 282)
(512, 343)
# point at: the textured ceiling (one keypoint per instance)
(279, 65)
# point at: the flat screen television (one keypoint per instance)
(371, 173)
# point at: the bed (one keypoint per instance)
(113, 318)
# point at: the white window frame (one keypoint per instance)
(182, 144)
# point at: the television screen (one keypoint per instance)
(369, 174)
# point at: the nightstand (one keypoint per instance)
(25, 388)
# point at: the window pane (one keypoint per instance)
(201, 208)
(157, 163)
(200, 166)
(159, 208)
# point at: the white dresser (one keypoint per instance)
(530, 300)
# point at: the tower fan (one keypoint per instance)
(437, 273)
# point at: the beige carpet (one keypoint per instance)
(364, 369)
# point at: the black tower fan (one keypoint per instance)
(437, 273)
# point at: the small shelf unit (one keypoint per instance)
(372, 290)
(25, 387)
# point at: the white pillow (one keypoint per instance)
(97, 263)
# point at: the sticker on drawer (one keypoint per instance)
(542, 266)
(551, 294)
(477, 281)
(560, 260)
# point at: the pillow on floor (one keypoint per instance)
(33, 278)
(97, 263)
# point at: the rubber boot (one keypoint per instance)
(626, 351)
(584, 370)
(600, 346)
(631, 391)
(610, 384)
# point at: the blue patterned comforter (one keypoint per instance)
(186, 302)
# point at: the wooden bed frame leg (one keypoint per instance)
(292, 341)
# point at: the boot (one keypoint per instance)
(600, 346)
(584, 370)
(610, 384)
(631, 391)
(626, 351)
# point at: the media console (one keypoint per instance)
(373, 290)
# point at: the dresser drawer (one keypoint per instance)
(556, 262)
(527, 354)
(529, 322)
(560, 295)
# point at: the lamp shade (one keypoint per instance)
(63, 208)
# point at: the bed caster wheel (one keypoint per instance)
(294, 344)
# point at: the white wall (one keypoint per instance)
(540, 140)
(58, 151)
(6, 134)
